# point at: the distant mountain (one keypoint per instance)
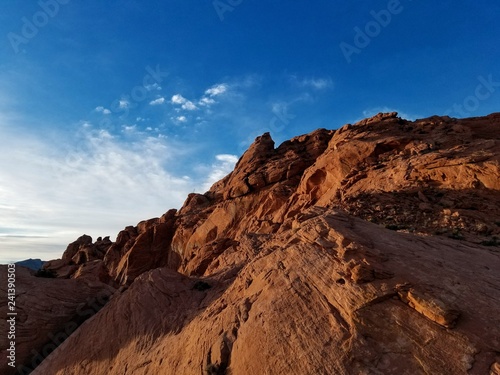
(34, 264)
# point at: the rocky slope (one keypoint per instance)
(372, 249)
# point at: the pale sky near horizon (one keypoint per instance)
(112, 112)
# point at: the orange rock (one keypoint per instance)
(370, 249)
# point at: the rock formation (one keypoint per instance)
(372, 249)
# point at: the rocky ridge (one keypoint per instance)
(372, 249)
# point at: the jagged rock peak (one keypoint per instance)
(260, 149)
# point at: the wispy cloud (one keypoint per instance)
(103, 110)
(206, 101)
(123, 103)
(223, 165)
(217, 89)
(281, 108)
(322, 83)
(158, 101)
(126, 129)
(95, 183)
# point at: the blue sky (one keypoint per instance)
(112, 111)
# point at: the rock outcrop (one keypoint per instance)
(372, 249)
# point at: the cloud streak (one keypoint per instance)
(51, 192)
(157, 101)
(103, 110)
(314, 83)
(217, 90)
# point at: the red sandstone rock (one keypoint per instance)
(367, 250)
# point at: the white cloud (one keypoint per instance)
(181, 119)
(189, 106)
(103, 110)
(227, 158)
(221, 168)
(127, 129)
(206, 101)
(178, 99)
(123, 103)
(313, 83)
(217, 89)
(185, 104)
(157, 101)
